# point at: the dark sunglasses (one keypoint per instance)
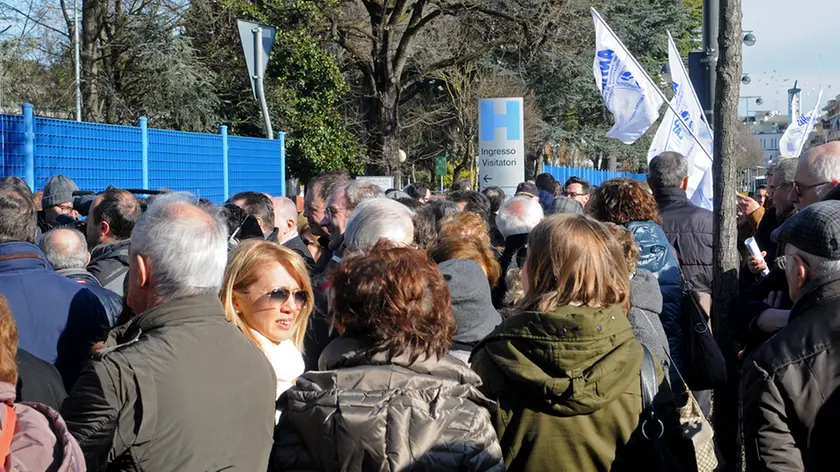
(279, 296)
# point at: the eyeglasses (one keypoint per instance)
(799, 188)
(574, 194)
(782, 261)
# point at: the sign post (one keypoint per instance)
(501, 143)
(440, 169)
(257, 41)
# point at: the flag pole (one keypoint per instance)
(656, 87)
(810, 125)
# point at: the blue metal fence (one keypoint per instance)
(595, 177)
(94, 155)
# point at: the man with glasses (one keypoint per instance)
(781, 183)
(790, 410)
(817, 173)
(57, 203)
(577, 189)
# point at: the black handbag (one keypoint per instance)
(705, 364)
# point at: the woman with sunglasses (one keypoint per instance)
(267, 294)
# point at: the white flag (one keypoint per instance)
(673, 136)
(796, 135)
(628, 93)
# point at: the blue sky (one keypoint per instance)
(797, 40)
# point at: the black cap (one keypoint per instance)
(815, 230)
(527, 188)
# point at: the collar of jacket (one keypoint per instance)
(115, 249)
(671, 195)
(17, 255)
(574, 360)
(514, 242)
(822, 290)
(79, 275)
(348, 352)
(175, 312)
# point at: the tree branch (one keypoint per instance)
(34, 20)
(416, 24)
(453, 61)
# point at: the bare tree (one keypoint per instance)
(398, 45)
(748, 152)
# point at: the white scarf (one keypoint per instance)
(286, 360)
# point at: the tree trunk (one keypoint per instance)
(725, 253)
(91, 25)
(382, 125)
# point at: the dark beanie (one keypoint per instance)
(59, 189)
(472, 306)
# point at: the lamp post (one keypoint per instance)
(758, 101)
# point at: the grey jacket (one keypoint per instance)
(179, 388)
(645, 309)
(369, 414)
(109, 264)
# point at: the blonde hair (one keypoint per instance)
(572, 260)
(243, 270)
(465, 224)
(8, 344)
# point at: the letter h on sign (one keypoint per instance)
(509, 120)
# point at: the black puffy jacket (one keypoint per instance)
(690, 229)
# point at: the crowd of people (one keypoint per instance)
(553, 329)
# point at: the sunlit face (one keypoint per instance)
(336, 215)
(313, 209)
(575, 191)
(264, 311)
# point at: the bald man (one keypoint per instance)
(67, 251)
(286, 221)
(817, 173)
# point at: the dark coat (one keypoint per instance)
(364, 413)
(112, 302)
(58, 320)
(690, 230)
(568, 387)
(180, 388)
(657, 256)
(512, 245)
(109, 264)
(39, 381)
(296, 244)
(789, 380)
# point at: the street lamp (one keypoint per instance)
(758, 101)
(745, 79)
(749, 38)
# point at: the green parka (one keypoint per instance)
(569, 390)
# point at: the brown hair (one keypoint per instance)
(243, 270)
(471, 248)
(621, 201)
(626, 243)
(8, 344)
(571, 260)
(396, 298)
(465, 224)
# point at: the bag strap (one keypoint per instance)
(7, 434)
(652, 427)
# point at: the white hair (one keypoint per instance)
(65, 248)
(823, 164)
(817, 265)
(186, 245)
(379, 218)
(519, 216)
